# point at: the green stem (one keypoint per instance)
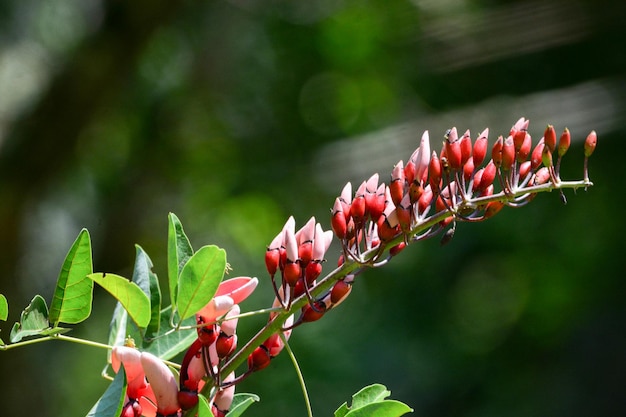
(305, 394)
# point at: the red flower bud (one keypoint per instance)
(187, 399)
(338, 220)
(496, 152)
(393, 251)
(508, 154)
(541, 177)
(489, 174)
(590, 143)
(549, 138)
(291, 272)
(524, 169)
(535, 158)
(468, 169)
(207, 334)
(546, 157)
(425, 199)
(564, 142)
(524, 150)
(396, 186)
(480, 148)
(340, 290)
(453, 149)
(434, 172)
(225, 345)
(312, 271)
(358, 207)
(466, 147)
(493, 208)
(259, 358)
(310, 314)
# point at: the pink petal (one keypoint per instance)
(163, 383)
(131, 359)
(230, 326)
(224, 397)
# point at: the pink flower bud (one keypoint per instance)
(224, 397)
(346, 198)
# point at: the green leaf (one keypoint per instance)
(199, 279)
(179, 251)
(371, 402)
(4, 308)
(241, 402)
(73, 295)
(33, 321)
(204, 410)
(168, 345)
(128, 294)
(112, 401)
(149, 284)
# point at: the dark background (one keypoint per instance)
(236, 114)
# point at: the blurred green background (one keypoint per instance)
(236, 114)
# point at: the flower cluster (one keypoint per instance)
(433, 190)
(161, 395)
(425, 196)
(298, 256)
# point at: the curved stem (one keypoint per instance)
(305, 394)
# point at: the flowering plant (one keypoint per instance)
(426, 197)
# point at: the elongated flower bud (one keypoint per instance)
(590, 143)
(163, 384)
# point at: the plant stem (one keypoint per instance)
(307, 401)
